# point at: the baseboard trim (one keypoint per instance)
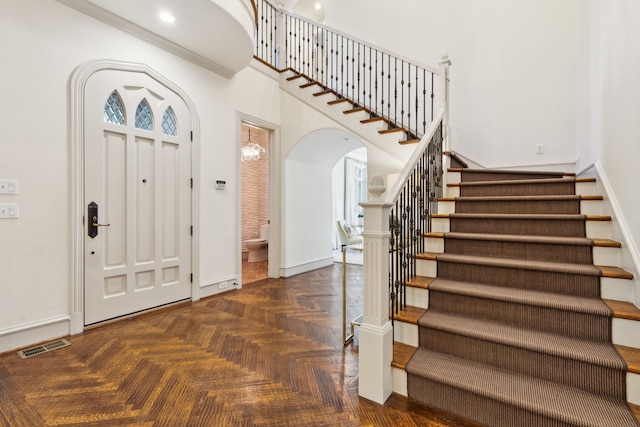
(306, 267)
(29, 334)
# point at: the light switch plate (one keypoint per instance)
(8, 210)
(8, 186)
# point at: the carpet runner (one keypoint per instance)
(516, 333)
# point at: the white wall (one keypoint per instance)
(611, 111)
(513, 75)
(43, 42)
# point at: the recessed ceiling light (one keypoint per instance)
(318, 6)
(166, 17)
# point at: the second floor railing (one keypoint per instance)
(387, 85)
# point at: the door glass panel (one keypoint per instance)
(144, 118)
(113, 109)
(169, 123)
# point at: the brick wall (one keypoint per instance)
(255, 185)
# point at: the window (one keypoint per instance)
(355, 190)
(169, 123)
(144, 118)
(113, 110)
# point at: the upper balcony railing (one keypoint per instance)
(387, 85)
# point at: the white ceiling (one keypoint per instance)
(202, 30)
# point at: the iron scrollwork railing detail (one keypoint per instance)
(410, 219)
(386, 85)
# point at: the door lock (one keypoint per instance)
(92, 211)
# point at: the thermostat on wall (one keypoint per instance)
(220, 184)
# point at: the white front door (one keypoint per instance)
(137, 175)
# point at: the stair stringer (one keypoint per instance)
(368, 132)
(620, 231)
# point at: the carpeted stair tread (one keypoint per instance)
(577, 250)
(543, 198)
(523, 296)
(556, 267)
(593, 352)
(555, 401)
(563, 217)
(568, 241)
(471, 174)
(513, 204)
(518, 182)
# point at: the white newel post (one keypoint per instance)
(443, 75)
(376, 334)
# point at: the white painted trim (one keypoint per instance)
(275, 193)
(374, 359)
(303, 268)
(77, 83)
(28, 334)
(116, 21)
(399, 381)
(629, 245)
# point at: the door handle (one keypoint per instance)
(92, 211)
(95, 224)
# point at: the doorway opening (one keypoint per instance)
(254, 155)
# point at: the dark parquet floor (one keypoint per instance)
(269, 354)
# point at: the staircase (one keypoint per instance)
(517, 315)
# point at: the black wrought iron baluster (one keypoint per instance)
(358, 66)
(353, 71)
(432, 96)
(401, 93)
(370, 106)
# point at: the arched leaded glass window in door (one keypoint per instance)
(144, 117)
(113, 109)
(169, 123)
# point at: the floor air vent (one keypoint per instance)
(43, 348)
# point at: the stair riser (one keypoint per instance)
(633, 388)
(406, 333)
(581, 188)
(610, 288)
(585, 207)
(524, 316)
(519, 207)
(531, 251)
(467, 405)
(607, 256)
(615, 289)
(546, 281)
(594, 229)
(477, 176)
(626, 332)
(534, 189)
(520, 250)
(417, 297)
(542, 227)
(574, 373)
(399, 381)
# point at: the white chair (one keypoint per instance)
(346, 234)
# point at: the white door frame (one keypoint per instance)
(76, 130)
(275, 190)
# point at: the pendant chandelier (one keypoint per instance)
(251, 151)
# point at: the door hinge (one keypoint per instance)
(191, 136)
(192, 230)
(192, 183)
(191, 277)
